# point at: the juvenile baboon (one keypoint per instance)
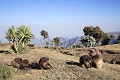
(16, 62)
(24, 64)
(43, 63)
(86, 61)
(97, 59)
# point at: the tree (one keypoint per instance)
(45, 35)
(57, 41)
(12, 36)
(88, 30)
(96, 32)
(19, 37)
(24, 35)
(105, 40)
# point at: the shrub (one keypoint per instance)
(5, 72)
(21, 48)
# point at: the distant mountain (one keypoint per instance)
(69, 43)
(40, 42)
(64, 41)
(114, 33)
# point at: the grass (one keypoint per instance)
(5, 72)
(61, 70)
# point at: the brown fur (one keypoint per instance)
(86, 61)
(43, 63)
(16, 62)
(19, 63)
(97, 59)
(24, 64)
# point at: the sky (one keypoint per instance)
(60, 18)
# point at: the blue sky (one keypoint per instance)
(65, 18)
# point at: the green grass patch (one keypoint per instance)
(5, 72)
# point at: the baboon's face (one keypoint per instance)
(43, 63)
(46, 65)
(44, 59)
(25, 61)
(93, 52)
(15, 64)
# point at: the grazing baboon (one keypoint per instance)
(43, 63)
(97, 59)
(16, 62)
(86, 61)
(24, 64)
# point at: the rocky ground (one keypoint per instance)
(65, 67)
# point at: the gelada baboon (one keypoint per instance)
(97, 59)
(16, 62)
(24, 64)
(86, 61)
(43, 63)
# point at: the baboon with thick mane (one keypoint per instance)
(43, 63)
(86, 61)
(16, 62)
(97, 59)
